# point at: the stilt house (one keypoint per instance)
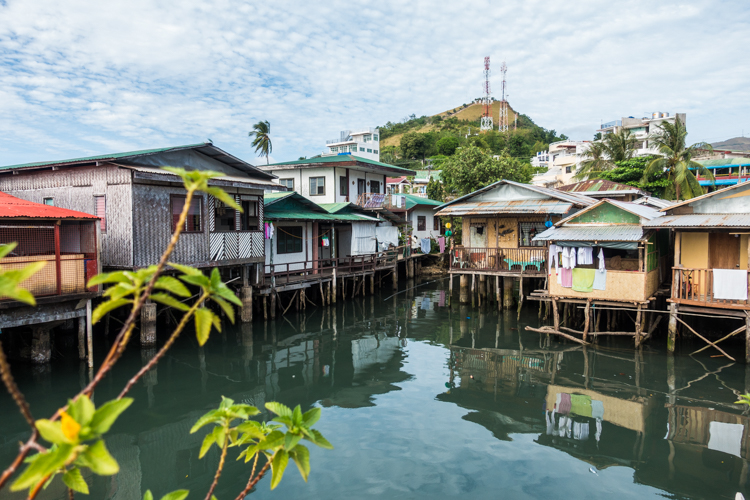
(138, 204)
(499, 223)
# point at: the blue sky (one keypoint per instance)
(83, 77)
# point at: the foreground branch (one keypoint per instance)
(10, 384)
(253, 481)
(218, 470)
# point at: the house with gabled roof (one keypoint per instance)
(138, 203)
(600, 188)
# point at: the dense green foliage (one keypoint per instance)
(471, 168)
(631, 172)
(603, 155)
(447, 145)
(435, 190)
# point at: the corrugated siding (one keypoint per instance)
(592, 233)
(701, 220)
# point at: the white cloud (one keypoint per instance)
(78, 77)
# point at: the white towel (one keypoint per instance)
(730, 284)
(552, 257)
(601, 260)
(566, 258)
(585, 255)
(572, 262)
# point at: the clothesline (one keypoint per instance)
(300, 237)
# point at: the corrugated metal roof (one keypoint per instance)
(336, 159)
(413, 200)
(701, 220)
(308, 215)
(598, 186)
(571, 198)
(13, 207)
(656, 202)
(707, 195)
(332, 208)
(643, 211)
(592, 233)
(724, 162)
(507, 207)
(250, 181)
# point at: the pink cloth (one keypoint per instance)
(566, 276)
(564, 403)
(441, 243)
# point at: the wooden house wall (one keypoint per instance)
(75, 188)
(502, 232)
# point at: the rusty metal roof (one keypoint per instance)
(557, 196)
(550, 206)
(10, 206)
(599, 187)
(592, 233)
(701, 220)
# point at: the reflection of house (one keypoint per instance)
(499, 223)
(630, 269)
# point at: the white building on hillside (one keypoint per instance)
(642, 128)
(561, 160)
(364, 143)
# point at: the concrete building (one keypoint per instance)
(364, 143)
(562, 160)
(642, 128)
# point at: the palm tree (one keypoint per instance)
(677, 161)
(262, 141)
(602, 155)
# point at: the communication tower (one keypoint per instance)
(503, 127)
(486, 122)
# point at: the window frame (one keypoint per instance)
(317, 186)
(421, 223)
(436, 223)
(243, 215)
(196, 198)
(102, 220)
(50, 199)
(371, 187)
(343, 183)
(287, 179)
(284, 230)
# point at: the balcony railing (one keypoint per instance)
(520, 260)
(292, 272)
(696, 286)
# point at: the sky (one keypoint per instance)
(80, 78)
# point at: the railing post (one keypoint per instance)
(58, 269)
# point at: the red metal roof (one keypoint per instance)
(11, 207)
(395, 180)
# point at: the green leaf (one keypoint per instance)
(291, 440)
(148, 495)
(7, 248)
(186, 270)
(226, 293)
(297, 415)
(310, 417)
(97, 458)
(172, 285)
(219, 436)
(278, 465)
(320, 440)
(273, 440)
(226, 403)
(52, 431)
(41, 465)
(176, 495)
(228, 309)
(203, 322)
(207, 442)
(252, 429)
(301, 457)
(116, 277)
(106, 307)
(223, 196)
(209, 418)
(120, 290)
(279, 409)
(74, 480)
(169, 301)
(82, 410)
(243, 411)
(249, 453)
(106, 415)
(215, 278)
(197, 280)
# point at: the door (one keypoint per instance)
(723, 251)
(361, 188)
(478, 241)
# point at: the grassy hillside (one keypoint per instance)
(735, 144)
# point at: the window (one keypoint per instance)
(288, 239)
(527, 231)
(375, 137)
(369, 150)
(289, 183)
(249, 218)
(421, 223)
(436, 223)
(100, 210)
(374, 186)
(343, 187)
(223, 217)
(361, 150)
(49, 201)
(375, 151)
(334, 149)
(317, 186)
(193, 220)
(567, 169)
(368, 137)
(353, 149)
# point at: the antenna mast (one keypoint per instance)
(504, 103)
(486, 122)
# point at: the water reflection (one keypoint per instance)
(424, 400)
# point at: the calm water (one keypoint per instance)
(422, 401)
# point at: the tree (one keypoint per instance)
(620, 145)
(631, 172)
(677, 162)
(598, 136)
(435, 190)
(262, 140)
(603, 155)
(471, 169)
(447, 145)
(479, 141)
(413, 145)
(517, 148)
(539, 146)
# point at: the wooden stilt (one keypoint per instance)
(747, 335)
(706, 340)
(273, 304)
(672, 333)
(498, 297)
(555, 314)
(265, 307)
(90, 336)
(548, 330)
(638, 326)
(473, 289)
(587, 316)
(520, 296)
(738, 330)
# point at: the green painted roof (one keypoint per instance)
(336, 159)
(111, 156)
(332, 208)
(291, 205)
(413, 200)
(724, 162)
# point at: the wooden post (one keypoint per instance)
(82, 337)
(246, 314)
(638, 326)
(507, 292)
(555, 315)
(747, 337)
(672, 335)
(265, 307)
(273, 303)
(520, 296)
(498, 297)
(678, 249)
(473, 289)
(587, 320)
(302, 304)
(482, 289)
(148, 323)
(464, 292)
(372, 284)
(90, 335)
(333, 287)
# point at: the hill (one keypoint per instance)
(734, 144)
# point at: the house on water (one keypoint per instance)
(711, 265)
(138, 204)
(68, 242)
(499, 223)
(603, 255)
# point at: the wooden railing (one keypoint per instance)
(521, 260)
(696, 286)
(291, 272)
